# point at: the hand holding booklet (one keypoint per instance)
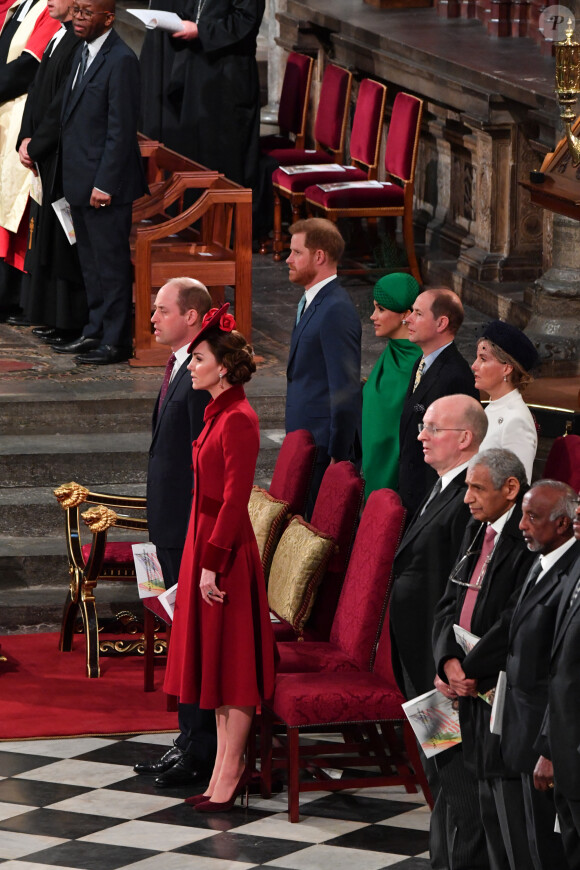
(158, 18)
(435, 721)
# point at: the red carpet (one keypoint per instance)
(44, 693)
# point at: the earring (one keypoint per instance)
(505, 378)
(221, 375)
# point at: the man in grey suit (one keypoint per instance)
(323, 375)
(453, 428)
(177, 421)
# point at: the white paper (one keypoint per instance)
(36, 187)
(495, 722)
(314, 167)
(150, 582)
(157, 18)
(62, 209)
(466, 639)
(345, 185)
(167, 599)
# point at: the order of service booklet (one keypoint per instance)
(435, 721)
(467, 640)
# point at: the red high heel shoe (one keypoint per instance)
(210, 806)
(196, 799)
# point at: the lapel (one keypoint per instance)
(309, 313)
(413, 401)
(217, 407)
(73, 96)
(565, 613)
(181, 373)
(505, 546)
(439, 504)
(431, 375)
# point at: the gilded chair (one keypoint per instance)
(365, 144)
(392, 197)
(293, 108)
(293, 470)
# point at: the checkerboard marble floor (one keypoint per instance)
(76, 803)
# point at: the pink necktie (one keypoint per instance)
(476, 579)
(166, 379)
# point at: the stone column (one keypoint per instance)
(276, 62)
(555, 299)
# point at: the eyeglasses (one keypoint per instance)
(87, 14)
(471, 551)
(434, 430)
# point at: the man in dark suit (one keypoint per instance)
(433, 323)
(53, 292)
(547, 513)
(102, 174)
(454, 427)
(324, 391)
(482, 591)
(177, 421)
(559, 742)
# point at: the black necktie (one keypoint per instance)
(532, 577)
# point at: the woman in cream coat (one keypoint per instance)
(504, 359)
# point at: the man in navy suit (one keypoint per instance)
(177, 421)
(324, 390)
(433, 323)
(102, 174)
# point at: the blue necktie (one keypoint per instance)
(301, 307)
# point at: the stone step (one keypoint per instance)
(107, 407)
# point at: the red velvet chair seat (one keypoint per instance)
(312, 656)
(291, 156)
(563, 462)
(116, 555)
(299, 182)
(317, 699)
(389, 195)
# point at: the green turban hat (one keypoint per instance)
(397, 291)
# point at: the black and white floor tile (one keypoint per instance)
(75, 804)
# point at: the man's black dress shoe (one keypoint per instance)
(44, 331)
(59, 338)
(104, 355)
(79, 345)
(18, 320)
(162, 764)
(183, 772)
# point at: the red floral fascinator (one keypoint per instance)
(216, 318)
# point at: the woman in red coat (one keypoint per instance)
(222, 646)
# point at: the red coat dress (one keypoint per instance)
(223, 653)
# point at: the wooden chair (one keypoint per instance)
(393, 197)
(293, 108)
(563, 462)
(330, 123)
(365, 142)
(223, 210)
(364, 706)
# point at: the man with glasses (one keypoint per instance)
(102, 174)
(449, 436)
(435, 319)
(483, 588)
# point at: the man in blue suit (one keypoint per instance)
(102, 174)
(324, 388)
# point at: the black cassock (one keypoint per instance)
(53, 292)
(212, 89)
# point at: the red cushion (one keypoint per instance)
(563, 462)
(293, 469)
(330, 116)
(294, 92)
(116, 554)
(401, 136)
(336, 513)
(319, 699)
(284, 631)
(294, 156)
(299, 657)
(364, 595)
(368, 116)
(299, 182)
(386, 196)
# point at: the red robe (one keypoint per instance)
(223, 654)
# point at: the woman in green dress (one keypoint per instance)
(385, 390)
